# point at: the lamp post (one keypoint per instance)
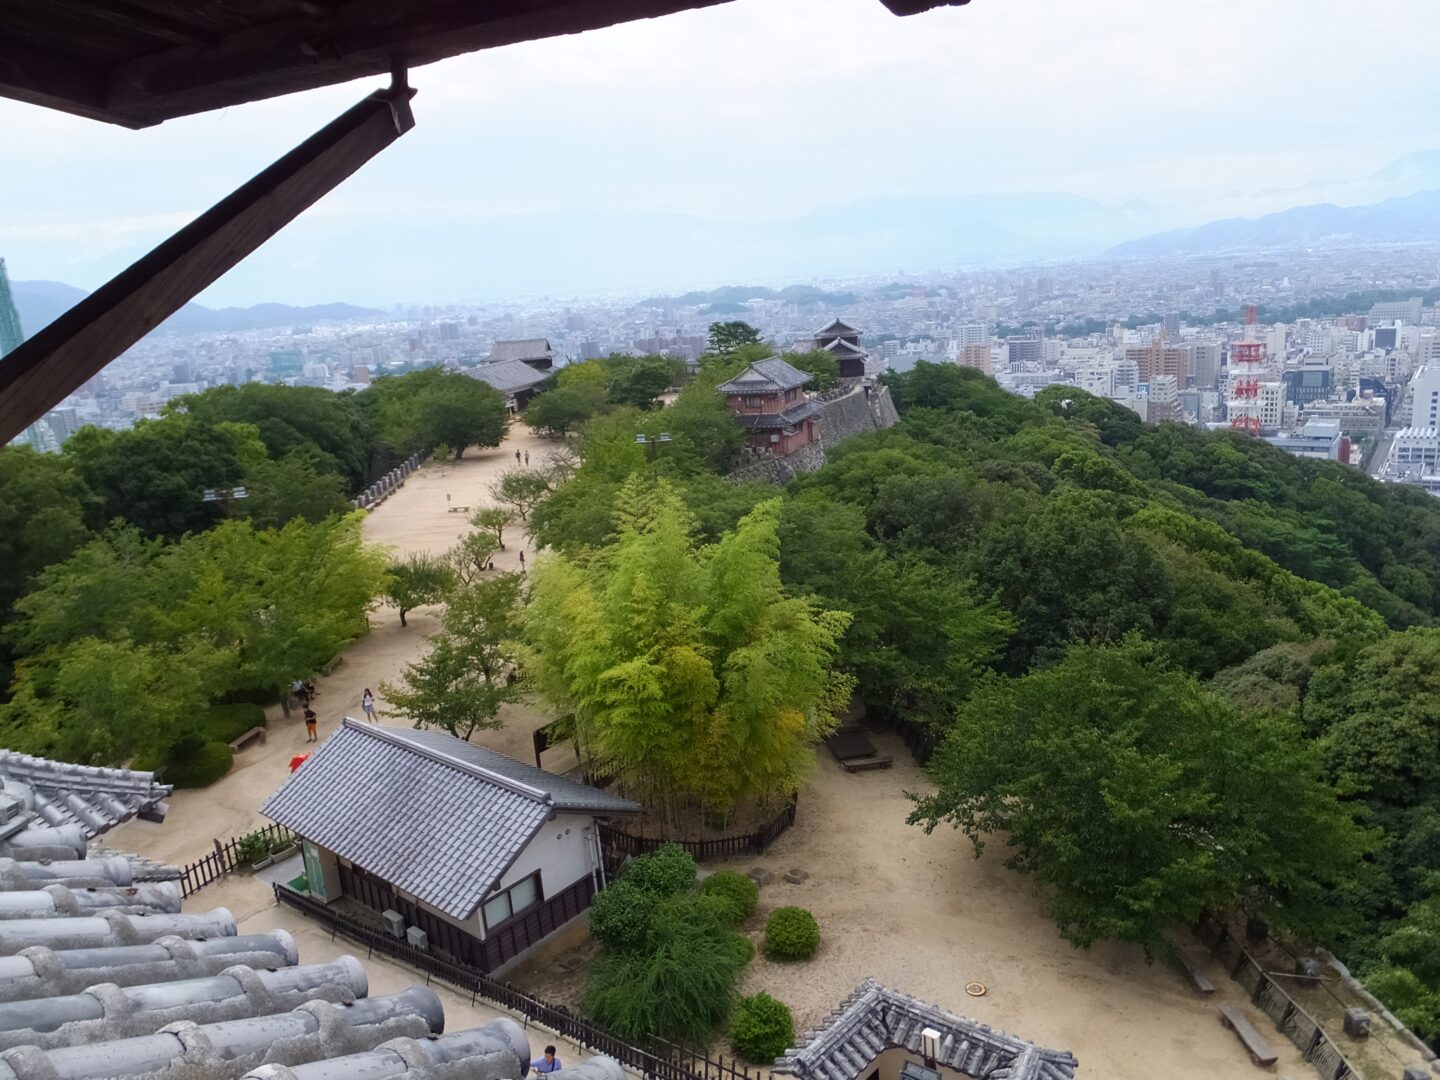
(653, 444)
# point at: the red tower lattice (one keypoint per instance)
(1247, 364)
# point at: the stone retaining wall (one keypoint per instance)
(842, 416)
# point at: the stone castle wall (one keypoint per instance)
(842, 417)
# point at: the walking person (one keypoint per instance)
(517, 457)
(527, 459)
(367, 702)
(547, 1064)
(310, 720)
(522, 561)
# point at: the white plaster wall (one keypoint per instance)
(560, 851)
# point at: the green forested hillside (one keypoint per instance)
(1176, 669)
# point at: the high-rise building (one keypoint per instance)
(1425, 396)
(1203, 359)
(1025, 349)
(1158, 358)
(10, 333)
(975, 356)
(972, 334)
(1172, 327)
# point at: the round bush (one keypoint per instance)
(733, 894)
(762, 1028)
(667, 871)
(791, 934)
(744, 948)
(200, 769)
(621, 915)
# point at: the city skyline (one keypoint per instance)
(745, 116)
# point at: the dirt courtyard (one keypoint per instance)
(916, 912)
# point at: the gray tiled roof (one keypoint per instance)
(766, 377)
(790, 417)
(874, 1019)
(422, 810)
(836, 328)
(508, 375)
(527, 349)
(95, 799)
(841, 347)
(567, 795)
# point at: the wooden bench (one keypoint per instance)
(1185, 961)
(246, 739)
(458, 509)
(866, 763)
(1258, 1048)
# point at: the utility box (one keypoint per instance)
(418, 939)
(394, 923)
(1357, 1023)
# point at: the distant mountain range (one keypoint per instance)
(1413, 217)
(41, 302)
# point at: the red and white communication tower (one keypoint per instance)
(1247, 364)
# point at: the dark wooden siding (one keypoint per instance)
(448, 940)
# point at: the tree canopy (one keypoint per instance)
(686, 667)
(1140, 800)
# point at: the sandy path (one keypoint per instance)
(415, 518)
(920, 914)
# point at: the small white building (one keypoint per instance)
(1320, 439)
(462, 850)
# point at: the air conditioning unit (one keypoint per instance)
(418, 939)
(394, 923)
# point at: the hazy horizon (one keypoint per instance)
(752, 141)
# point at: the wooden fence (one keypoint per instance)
(233, 855)
(659, 1060)
(618, 843)
(1297, 1025)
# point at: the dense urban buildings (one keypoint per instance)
(1345, 339)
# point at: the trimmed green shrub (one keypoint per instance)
(681, 987)
(223, 723)
(200, 769)
(762, 1028)
(665, 872)
(621, 916)
(744, 948)
(791, 933)
(733, 894)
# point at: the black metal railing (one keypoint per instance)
(659, 1061)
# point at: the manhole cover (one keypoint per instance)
(976, 989)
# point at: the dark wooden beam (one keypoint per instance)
(60, 358)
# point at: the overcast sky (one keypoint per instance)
(766, 109)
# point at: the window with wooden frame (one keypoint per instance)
(516, 900)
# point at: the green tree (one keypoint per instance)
(520, 490)
(471, 556)
(471, 668)
(155, 475)
(293, 487)
(821, 363)
(565, 408)
(330, 429)
(726, 337)
(423, 409)
(687, 669)
(639, 381)
(418, 579)
(43, 509)
(493, 519)
(1139, 800)
(101, 702)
